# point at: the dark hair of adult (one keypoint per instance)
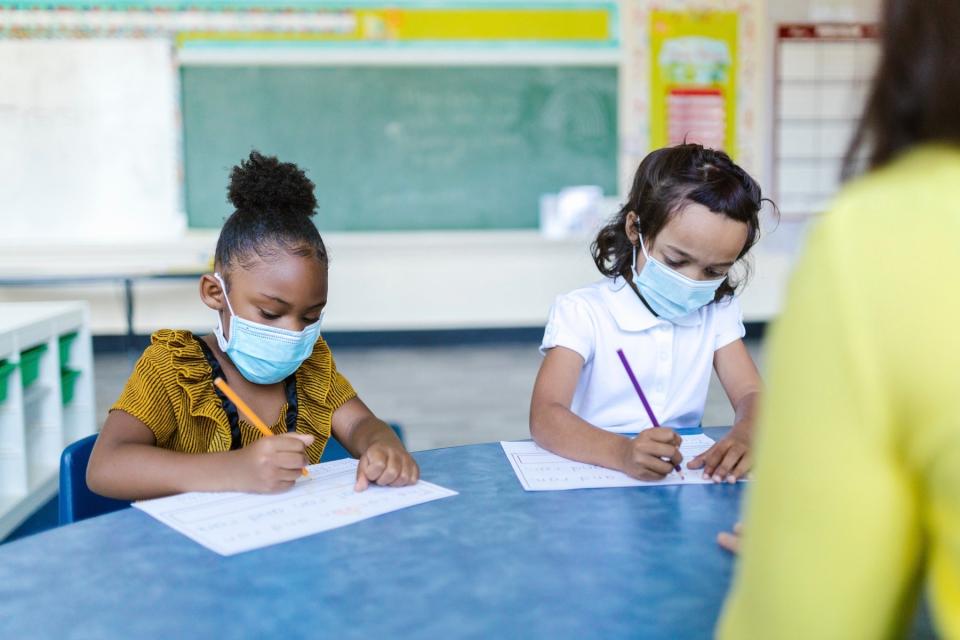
(916, 88)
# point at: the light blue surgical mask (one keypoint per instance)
(261, 353)
(669, 293)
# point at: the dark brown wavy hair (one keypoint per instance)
(915, 93)
(668, 179)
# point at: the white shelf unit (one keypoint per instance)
(35, 424)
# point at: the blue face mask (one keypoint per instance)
(261, 353)
(670, 294)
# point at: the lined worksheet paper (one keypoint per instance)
(230, 523)
(539, 470)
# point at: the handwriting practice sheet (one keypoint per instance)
(230, 523)
(539, 470)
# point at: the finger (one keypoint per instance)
(406, 476)
(291, 460)
(738, 528)
(700, 459)
(743, 467)
(713, 456)
(676, 458)
(362, 482)
(289, 475)
(649, 476)
(391, 471)
(663, 434)
(726, 466)
(415, 477)
(376, 463)
(656, 465)
(729, 541)
(659, 449)
(293, 441)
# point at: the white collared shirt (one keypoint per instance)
(671, 360)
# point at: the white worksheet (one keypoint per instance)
(539, 470)
(230, 523)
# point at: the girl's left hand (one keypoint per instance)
(386, 463)
(728, 460)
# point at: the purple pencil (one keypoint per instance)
(643, 398)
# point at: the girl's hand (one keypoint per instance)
(731, 541)
(728, 460)
(645, 456)
(386, 462)
(272, 465)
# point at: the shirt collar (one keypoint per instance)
(631, 314)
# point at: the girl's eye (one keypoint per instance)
(310, 320)
(673, 263)
(269, 316)
(713, 273)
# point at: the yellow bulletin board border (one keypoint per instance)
(214, 23)
(567, 26)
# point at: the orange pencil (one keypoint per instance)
(254, 418)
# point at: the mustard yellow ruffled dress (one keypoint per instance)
(171, 391)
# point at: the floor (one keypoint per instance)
(443, 396)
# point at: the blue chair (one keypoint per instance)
(336, 451)
(77, 501)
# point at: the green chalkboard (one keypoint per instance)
(404, 148)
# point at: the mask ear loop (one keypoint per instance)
(641, 246)
(222, 340)
(223, 285)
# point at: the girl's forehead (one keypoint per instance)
(698, 231)
(297, 276)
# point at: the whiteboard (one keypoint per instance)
(89, 143)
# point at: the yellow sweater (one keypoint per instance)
(856, 502)
(171, 391)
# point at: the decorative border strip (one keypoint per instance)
(595, 25)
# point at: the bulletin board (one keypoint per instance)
(822, 76)
(693, 78)
(667, 94)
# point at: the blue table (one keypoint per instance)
(493, 562)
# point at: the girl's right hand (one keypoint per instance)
(645, 456)
(272, 465)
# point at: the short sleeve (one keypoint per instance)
(340, 390)
(729, 322)
(570, 325)
(146, 399)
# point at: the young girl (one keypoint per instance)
(667, 301)
(172, 431)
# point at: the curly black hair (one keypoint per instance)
(273, 203)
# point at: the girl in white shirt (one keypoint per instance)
(668, 302)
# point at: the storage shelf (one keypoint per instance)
(35, 426)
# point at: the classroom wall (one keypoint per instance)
(823, 10)
(383, 281)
